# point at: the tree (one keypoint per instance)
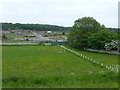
(98, 40)
(63, 33)
(81, 30)
(4, 37)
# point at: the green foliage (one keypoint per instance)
(27, 39)
(81, 31)
(88, 33)
(4, 36)
(98, 40)
(45, 35)
(37, 27)
(57, 34)
(63, 33)
(42, 42)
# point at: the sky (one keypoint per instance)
(59, 12)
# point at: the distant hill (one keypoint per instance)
(37, 27)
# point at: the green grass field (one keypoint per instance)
(47, 67)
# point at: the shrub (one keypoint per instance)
(45, 35)
(114, 45)
(98, 40)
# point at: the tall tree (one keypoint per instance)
(81, 30)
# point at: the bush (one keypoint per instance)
(4, 36)
(45, 35)
(98, 40)
(114, 45)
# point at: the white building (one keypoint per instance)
(49, 32)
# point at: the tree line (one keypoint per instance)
(37, 27)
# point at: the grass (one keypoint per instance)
(47, 67)
(110, 59)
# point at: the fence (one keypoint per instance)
(53, 43)
(109, 67)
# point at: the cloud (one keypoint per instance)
(60, 12)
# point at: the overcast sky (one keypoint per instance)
(59, 12)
